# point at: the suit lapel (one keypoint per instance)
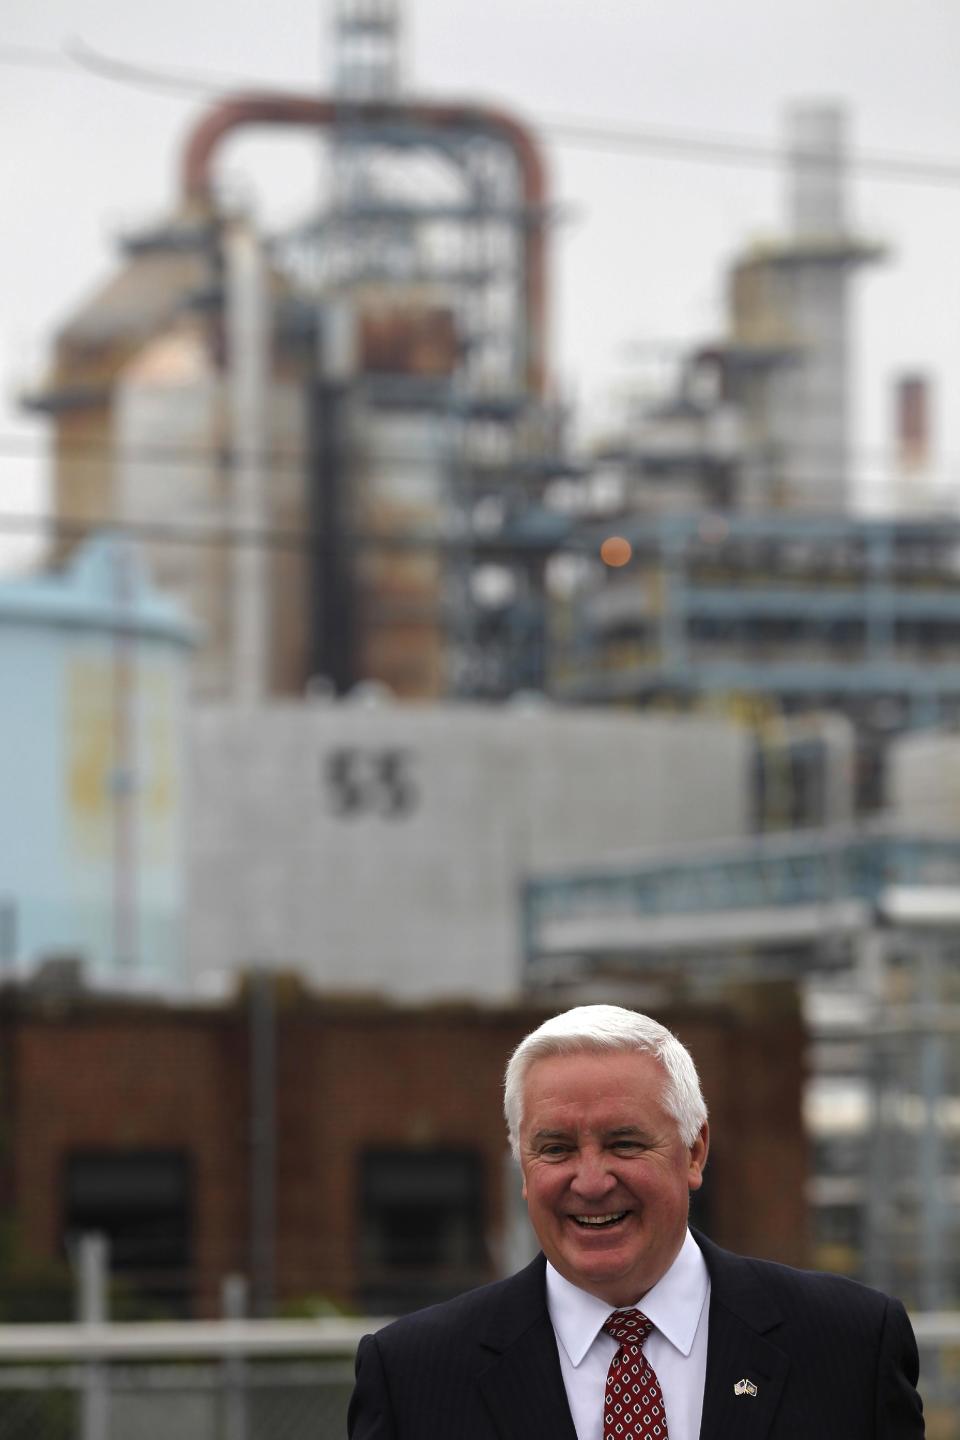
(738, 1348)
(736, 1352)
(524, 1389)
(522, 1386)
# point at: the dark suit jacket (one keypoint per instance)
(831, 1360)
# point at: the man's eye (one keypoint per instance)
(627, 1147)
(555, 1152)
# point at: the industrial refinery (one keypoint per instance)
(368, 694)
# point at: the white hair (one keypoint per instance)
(608, 1027)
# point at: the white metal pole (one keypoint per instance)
(235, 1366)
(248, 333)
(92, 1261)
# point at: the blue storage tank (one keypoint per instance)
(92, 694)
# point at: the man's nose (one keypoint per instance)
(593, 1175)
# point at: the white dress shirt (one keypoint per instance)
(678, 1306)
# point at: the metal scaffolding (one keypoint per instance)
(867, 922)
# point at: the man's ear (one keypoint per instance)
(698, 1157)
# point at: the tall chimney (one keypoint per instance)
(912, 419)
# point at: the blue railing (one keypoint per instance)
(781, 871)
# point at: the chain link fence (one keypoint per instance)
(939, 1340)
(251, 1395)
(33, 1406)
(267, 1401)
(251, 1392)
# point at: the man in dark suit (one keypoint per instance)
(627, 1326)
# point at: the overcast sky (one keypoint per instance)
(642, 237)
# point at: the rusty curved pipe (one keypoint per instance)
(238, 110)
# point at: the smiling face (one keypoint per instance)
(606, 1177)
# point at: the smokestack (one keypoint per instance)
(816, 146)
(912, 419)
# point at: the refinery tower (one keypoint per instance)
(310, 427)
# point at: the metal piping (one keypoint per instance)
(267, 109)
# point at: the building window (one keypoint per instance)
(421, 1227)
(140, 1200)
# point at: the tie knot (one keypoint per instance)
(629, 1327)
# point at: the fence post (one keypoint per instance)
(234, 1366)
(92, 1258)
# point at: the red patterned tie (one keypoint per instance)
(633, 1404)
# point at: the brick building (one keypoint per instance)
(332, 1148)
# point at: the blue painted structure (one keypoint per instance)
(802, 609)
(92, 677)
(783, 873)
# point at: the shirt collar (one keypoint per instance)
(674, 1304)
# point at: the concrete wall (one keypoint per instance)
(382, 849)
(923, 781)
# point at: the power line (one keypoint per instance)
(527, 471)
(572, 532)
(77, 56)
(95, 452)
(718, 149)
(32, 57)
(738, 150)
(223, 458)
(188, 83)
(303, 538)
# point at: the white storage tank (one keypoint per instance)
(92, 679)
